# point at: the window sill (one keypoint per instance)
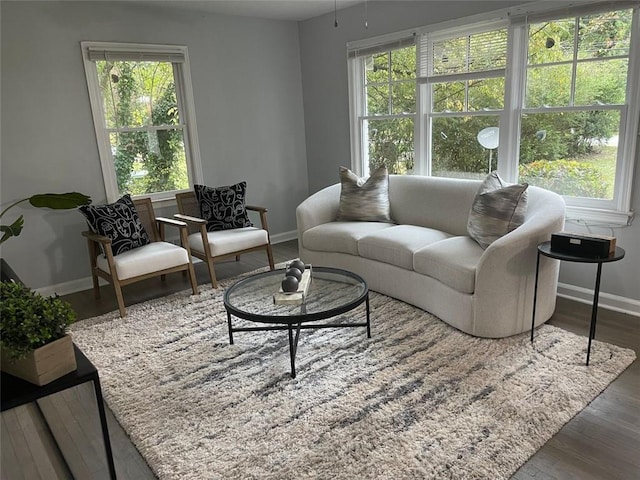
(597, 217)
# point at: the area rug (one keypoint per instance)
(418, 399)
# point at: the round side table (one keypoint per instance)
(545, 249)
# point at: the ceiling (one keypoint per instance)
(294, 10)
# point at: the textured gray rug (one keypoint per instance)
(417, 400)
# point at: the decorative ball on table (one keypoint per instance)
(294, 272)
(290, 283)
(297, 263)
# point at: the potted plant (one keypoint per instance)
(56, 201)
(34, 344)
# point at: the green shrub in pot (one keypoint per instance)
(28, 320)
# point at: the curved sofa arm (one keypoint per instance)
(321, 207)
(505, 275)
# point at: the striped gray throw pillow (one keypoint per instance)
(364, 201)
(497, 209)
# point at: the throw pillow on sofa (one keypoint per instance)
(498, 208)
(118, 221)
(364, 200)
(223, 207)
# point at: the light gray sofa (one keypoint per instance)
(427, 258)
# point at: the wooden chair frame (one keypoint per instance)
(155, 227)
(189, 213)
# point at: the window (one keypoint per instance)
(143, 115)
(551, 99)
(388, 105)
(574, 103)
(463, 78)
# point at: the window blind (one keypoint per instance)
(96, 53)
(467, 55)
(381, 47)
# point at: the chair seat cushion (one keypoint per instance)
(452, 261)
(150, 258)
(223, 242)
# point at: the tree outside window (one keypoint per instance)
(565, 104)
(575, 93)
(145, 128)
(143, 122)
(390, 109)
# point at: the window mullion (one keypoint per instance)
(515, 80)
(574, 65)
(186, 112)
(357, 92)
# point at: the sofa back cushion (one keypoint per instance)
(433, 202)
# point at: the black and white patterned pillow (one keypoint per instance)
(119, 221)
(223, 207)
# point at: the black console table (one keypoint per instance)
(545, 249)
(16, 392)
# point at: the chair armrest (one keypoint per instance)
(97, 238)
(263, 215)
(256, 208)
(170, 221)
(189, 219)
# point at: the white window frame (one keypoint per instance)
(357, 94)
(186, 110)
(424, 116)
(600, 212)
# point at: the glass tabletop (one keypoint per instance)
(332, 291)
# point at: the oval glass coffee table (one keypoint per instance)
(332, 292)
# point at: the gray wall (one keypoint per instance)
(248, 96)
(254, 122)
(324, 76)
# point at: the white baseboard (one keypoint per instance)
(284, 237)
(605, 300)
(86, 283)
(66, 288)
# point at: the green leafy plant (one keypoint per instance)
(28, 320)
(56, 201)
(566, 177)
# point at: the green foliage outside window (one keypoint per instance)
(569, 142)
(391, 91)
(138, 95)
(566, 177)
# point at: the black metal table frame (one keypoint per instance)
(16, 392)
(545, 249)
(295, 322)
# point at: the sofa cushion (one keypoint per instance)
(341, 237)
(396, 245)
(364, 201)
(452, 261)
(223, 207)
(498, 208)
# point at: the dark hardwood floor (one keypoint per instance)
(601, 442)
